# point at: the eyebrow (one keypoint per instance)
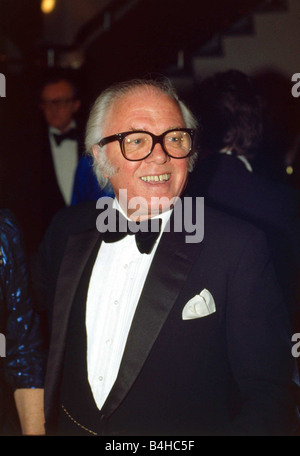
(169, 128)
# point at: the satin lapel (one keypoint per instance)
(78, 250)
(158, 297)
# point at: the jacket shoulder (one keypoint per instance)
(75, 219)
(223, 229)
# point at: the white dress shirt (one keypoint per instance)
(65, 159)
(116, 283)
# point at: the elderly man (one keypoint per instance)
(185, 337)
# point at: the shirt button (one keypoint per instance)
(100, 378)
(116, 302)
(125, 266)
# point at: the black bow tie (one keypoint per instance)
(70, 134)
(146, 232)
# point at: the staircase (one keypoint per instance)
(266, 39)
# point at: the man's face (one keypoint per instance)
(152, 111)
(58, 104)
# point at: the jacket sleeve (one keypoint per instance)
(259, 345)
(24, 362)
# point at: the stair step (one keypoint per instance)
(270, 6)
(244, 26)
(212, 48)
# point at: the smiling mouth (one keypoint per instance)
(156, 178)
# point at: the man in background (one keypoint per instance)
(60, 103)
(234, 176)
(48, 156)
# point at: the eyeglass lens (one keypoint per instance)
(138, 145)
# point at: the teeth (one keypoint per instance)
(157, 178)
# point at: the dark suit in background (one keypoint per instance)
(231, 177)
(37, 194)
(52, 197)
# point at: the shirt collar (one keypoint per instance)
(58, 132)
(165, 216)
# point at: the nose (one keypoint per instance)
(158, 155)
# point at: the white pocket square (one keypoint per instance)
(199, 306)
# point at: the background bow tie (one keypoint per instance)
(70, 134)
(144, 237)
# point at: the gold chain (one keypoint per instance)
(76, 422)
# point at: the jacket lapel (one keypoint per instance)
(78, 250)
(158, 297)
(160, 293)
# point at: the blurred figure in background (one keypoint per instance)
(46, 149)
(61, 143)
(281, 111)
(86, 186)
(22, 369)
(228, 173)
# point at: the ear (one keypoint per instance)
(76, 105)
(96, 151)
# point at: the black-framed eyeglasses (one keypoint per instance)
(137, 145)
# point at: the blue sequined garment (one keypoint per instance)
(23, 366)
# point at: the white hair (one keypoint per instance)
(99, 111)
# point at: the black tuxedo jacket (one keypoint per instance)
(34, 196)
(52, 198)
(273, 207)
(226, 373)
